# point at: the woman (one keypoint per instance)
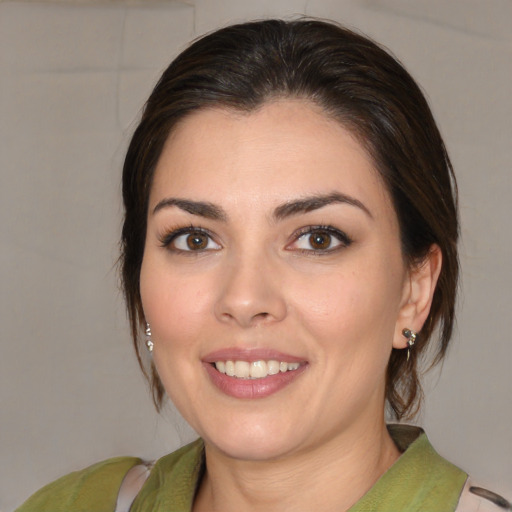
(290, 249)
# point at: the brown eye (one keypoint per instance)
(191, 240)
(320, 240)
(197, 241)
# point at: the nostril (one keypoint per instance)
(261, 316)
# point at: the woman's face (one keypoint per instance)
(273, 253)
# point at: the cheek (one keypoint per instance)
(350, 310)
(175, 305)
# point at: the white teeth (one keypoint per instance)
(273, 367)
(255, 369)
(258, 369)
(242, 369)
(230, 368)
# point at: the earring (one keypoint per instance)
(411, 339)
(149, 341)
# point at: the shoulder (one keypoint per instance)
(173, 481)
(420, 480)
(428, 482)
(93, 488)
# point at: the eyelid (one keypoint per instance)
(343, 239)
(170, 235)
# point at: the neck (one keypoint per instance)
(330, 477)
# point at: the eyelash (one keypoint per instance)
(344, 240)
(170, 236)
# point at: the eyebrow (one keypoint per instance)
(200, 208)
(316, 202)
(288, 209)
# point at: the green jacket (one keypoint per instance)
(420, 480)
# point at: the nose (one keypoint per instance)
(250, 293)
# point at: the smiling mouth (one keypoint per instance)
(254, 369)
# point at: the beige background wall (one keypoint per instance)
(73, 78)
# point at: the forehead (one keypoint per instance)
(285, 148)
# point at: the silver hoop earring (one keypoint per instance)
(411, 340)
(149, 341)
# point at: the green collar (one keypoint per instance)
(420, 480)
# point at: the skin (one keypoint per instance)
(257, 282)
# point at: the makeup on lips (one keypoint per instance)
(252, 374)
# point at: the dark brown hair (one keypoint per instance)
(353, 80)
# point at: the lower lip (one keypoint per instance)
(252, 388)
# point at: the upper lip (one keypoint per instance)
(250, 355)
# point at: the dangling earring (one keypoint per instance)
(149, 341)
(411, 339)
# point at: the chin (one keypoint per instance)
(255, 442)
(253, 450)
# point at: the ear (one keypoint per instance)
(417, 295)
